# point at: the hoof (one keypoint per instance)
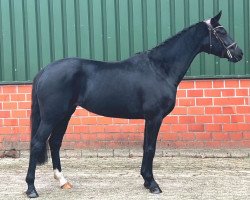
(67, 186)
(153, 188)
(32, 193)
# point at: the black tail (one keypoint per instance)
(35, 120)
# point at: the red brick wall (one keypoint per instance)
(208, 114)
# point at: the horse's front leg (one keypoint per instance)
(152, 127)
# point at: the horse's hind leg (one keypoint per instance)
(38, 144)
(55, 142)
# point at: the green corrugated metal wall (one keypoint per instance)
(33, 33)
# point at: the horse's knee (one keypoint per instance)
(149, 151)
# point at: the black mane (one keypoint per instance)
(175, 37)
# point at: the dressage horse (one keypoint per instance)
(141, 87)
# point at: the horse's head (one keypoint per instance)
(219, 43)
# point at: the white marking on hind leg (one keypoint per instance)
(59, 176)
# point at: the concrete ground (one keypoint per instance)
(118, 178)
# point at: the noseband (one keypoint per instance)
(213, 31)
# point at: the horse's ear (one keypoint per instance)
(217, 17)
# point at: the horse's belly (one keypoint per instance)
(114, 106)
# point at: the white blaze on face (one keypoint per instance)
(59, 176)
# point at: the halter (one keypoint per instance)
(213, 31)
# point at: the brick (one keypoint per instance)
(175, 128)
(203, 84)
(168, 136)
(165, 128)
(89, 120)
(4, 114)
(245, 83)
(242, 92)
(203, 136)
(195, 93)
(221, 119)
(24, 105)
(204, 119)
(186, 102)
(246, 136)
(231, 145)
(186, 136)
(81, 129)
(72, 137)
(136, 121)
(104, 136)
(186, 119)
(232, 83)
(181, 93)
(128, 129)
(186, 85)
(179, 111)
(237, 118)
(24, 89)
(92, 114)
(75, 121)
(204, 101)
(245, 144)
(218, 83)
(104, 120)
(9, 105)
(81, 112)
(70, 129)
(28, 97)
(247, 118)
(213, 110)
(9, 89)
(236, 127)
(21, 130)
(196, 110)
(213, 127)
(236, 136)
(10, 122)
(112, 129)
(121, 137)
(229, 110)
(17, 97)
(25, 138)
(212, 93)
(196, 127)
(170, 119)
(96, 129)
(136, 137)
(4, 97)
(243, 109)
(213, 144)
(220, 136)
(120, 121)
(228, 92)
(88, 136)
(19, 114)
(5, 130)
(229, 101)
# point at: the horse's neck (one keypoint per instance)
(177, 54)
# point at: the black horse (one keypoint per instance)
(140, 87)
